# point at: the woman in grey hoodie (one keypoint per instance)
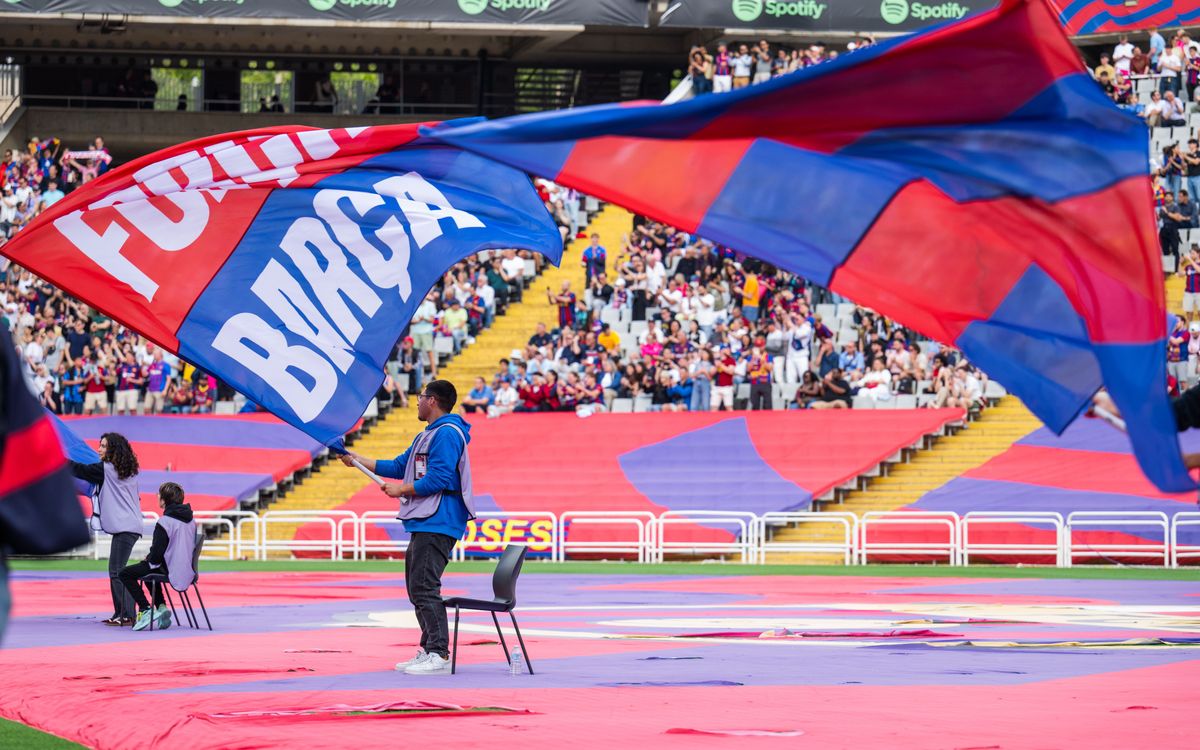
(116, 510)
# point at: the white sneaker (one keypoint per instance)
(431, 664)
(420, 657)
(162, 617)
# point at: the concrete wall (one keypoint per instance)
(12, 134)
(129, 133)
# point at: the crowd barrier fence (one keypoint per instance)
(916, 536)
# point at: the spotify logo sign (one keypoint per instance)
(894, 11)
(747, 10)
(899, 11)
(473, 7)
(750, 10)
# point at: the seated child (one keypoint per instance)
(170, 553)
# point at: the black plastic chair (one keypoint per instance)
(156, 581)
(504, 588)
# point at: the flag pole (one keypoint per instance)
(370, 474)
(1109, 417)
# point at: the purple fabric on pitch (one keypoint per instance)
(1122, 592)
(721, 462)
(753, 665)
(232, 433)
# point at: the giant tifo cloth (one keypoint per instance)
(219, 461)
(754, 462)
(1109, 16)
(993, 198)
(286, 261)
(304, 659)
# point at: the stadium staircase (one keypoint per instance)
(1175, 294)
(332, 485)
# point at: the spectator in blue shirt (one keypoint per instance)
(594, 258)
(1187, 207)
(851, 359)
(52, 195)
(541, 337)
(479, 398)
(1157, 45)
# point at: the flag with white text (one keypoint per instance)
(285, 261)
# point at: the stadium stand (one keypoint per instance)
(676, 271)
(639, 463)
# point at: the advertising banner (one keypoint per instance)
(819, 15)
(1108, 16)
(601, 12)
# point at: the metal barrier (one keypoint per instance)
(848, 522)
(230, 521)
(478, 540)
(1189, 518)
(744, 525)
(1103, 518)
(103, 541)
(358, 545)
(647, 537)
(966, 548)
(642, 521)
(876, 518)
(328, 518)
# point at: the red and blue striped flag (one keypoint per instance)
(39, 509)
(1110, 16)
(970, 181)
(285, 261)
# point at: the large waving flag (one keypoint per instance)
(970, 181)
(39, 511)
(75, 449)
(286, 261)
(1109, 16)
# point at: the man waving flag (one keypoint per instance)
(970, 181)
(285, 261)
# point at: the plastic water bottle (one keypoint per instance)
(516, 664)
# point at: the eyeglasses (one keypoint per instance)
(425, 395)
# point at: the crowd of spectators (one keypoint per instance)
(1175, 66)
(36, 178)
(78, 360)
(1173, 70)
(82, 362)
(704, 321)
(736, 66)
